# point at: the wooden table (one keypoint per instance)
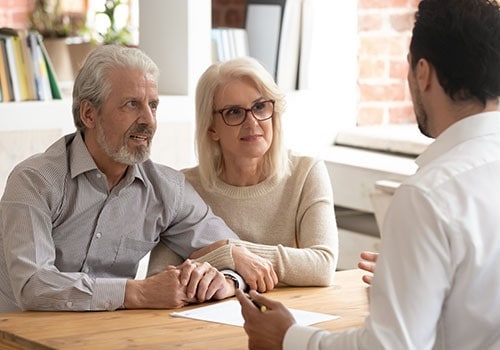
(156, 329)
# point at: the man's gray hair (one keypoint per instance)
(92, 82)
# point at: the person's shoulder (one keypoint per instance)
(301, 161)
(193, 177)
(162, 173)
(53, 159)
(191, 172)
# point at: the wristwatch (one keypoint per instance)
(239, 283)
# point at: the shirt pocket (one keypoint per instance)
(129, 254)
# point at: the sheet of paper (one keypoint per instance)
(229, 312)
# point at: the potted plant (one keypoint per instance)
(113, 34)
(62, 36)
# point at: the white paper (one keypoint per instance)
(229, 312)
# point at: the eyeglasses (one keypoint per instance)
(234, 116)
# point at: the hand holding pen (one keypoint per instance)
(266, 320)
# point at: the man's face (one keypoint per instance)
(418, 107)
(126, 122)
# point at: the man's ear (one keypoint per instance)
(423, 74)
(88, 114)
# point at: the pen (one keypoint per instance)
(258, 305)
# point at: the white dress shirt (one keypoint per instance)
(437, 281)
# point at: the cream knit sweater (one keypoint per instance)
(290, 222)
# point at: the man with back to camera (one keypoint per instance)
(76, 220)
(436, 282)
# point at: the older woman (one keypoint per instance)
(278, 203)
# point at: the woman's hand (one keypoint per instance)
(257, 272)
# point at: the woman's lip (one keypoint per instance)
(250, 137)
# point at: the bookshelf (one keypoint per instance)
(26, 71)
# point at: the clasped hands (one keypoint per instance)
(177, 286)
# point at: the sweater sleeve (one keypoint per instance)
(314, 261)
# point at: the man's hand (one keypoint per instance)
(204, 281)
(178, 286)
(161, 291)
(257, 272)
(368, 263)
(266, 330)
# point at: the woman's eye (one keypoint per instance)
(234, 112)
(258, 106)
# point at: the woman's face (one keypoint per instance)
(253, 138)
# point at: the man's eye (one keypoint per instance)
(153, 106)
(132, 104)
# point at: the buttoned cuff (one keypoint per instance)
(298, 337)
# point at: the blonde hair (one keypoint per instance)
(209, 152)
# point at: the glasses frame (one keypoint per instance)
(221, 112)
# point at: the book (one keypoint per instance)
(20, 69)
(41, 76)
(240, 42)
(4, 74)
(11, 65)
(229, 43)
(28, 64)
(54, 87)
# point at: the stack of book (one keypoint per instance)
(228, 43)
(26, 72)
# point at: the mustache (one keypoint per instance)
(141, 129)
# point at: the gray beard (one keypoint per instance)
(123, 154)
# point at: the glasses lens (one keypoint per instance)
(234, 116)
(263, 110)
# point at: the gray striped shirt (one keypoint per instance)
(68, 243)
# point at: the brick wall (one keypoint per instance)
(228, 13)
(384, 32)
(14, 13)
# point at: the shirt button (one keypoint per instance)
(98, 175)
(69, 304)
(86, 269)
(98, 235)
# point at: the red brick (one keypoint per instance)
(369, 22)
(372, 4)
(372, 68)
(402, 114)
(398, 69)
(234, 18)
(20, 20)
(402, 22)
(382, 92)
(370, 116)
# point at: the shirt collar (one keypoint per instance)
(465, 129)
(81, 161)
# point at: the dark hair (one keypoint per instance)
(461, 39)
